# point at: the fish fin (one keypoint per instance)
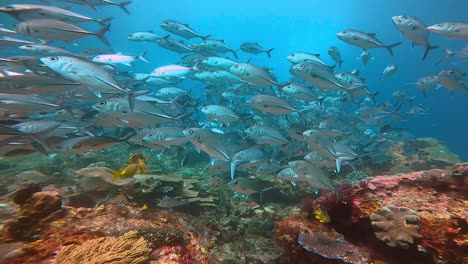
(104, 21)
(142, 57)
(268, 52)
(235, 54)
(372, 34)
(448, 53)
(96, 93)
(205, 37)
(390, 47)
(123, 6)
(100, 34)
(294, 183)
(233, 170)
(339, 64)
(89, 5)
(429, 48)
(117, 175)
(338, 165)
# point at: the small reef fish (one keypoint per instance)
(140, 160)
(126, 172)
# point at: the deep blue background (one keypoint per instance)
(311, 26)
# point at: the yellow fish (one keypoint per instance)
(126, 172)
(145, 207)
(322, 215)
(140, 160)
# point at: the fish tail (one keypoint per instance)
(104, 21)
(205, 37)
(373, 95)
(235, 54)
(390, 47)
(124, 5)
(117, 175)
(429, 48)
(101, 32)
(142, 57)
(321, 101)
(448, 53)
(268, 52)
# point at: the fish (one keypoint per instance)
(271, 104)
(253, 74)
(220, 114)
(255, 48)
(457, 30)
(42, 49)
(91, 4)
(335, 54)
(24, 12)
(96, 78)
(298, 57)
(461, 54)
(180, 29)
(144, 36)
(218, 62)
(453, 79)
(312, 175)
(365, 57)
(173, 45)
(414, 29)
(166, 136)
(249, 187)
(217, 46)
(6, 42)
(51, 29)
(126, 172)
(319, 76)
(388, 71)
(208, 142)
(174, 70)
(301, 92)
(140, 160)
(364, 40)
(250, 155)
(168, 202)
(119, 58)
(266, 135)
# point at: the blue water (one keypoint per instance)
(310, 26)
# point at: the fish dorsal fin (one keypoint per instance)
(318, 55)
(221, 40)
(187, 25)
(371, 34)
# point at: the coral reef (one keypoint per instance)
(396, 226)
(375, 209)
(331, 245)
(128, 248)
(37, 209)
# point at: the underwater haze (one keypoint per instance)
(247, 131)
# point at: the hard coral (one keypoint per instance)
(37, 209)
(396, 226)
(128, 249)
(331, 245)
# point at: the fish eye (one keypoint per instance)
(190, 131)
(54, 58)
(239, 157)
(451, 73)
(404, 17)
(103, 103)
(9, 7)
(302, 66)
(295, 164)
(141, 36)
(294, 54)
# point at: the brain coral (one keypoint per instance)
(396, 226)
